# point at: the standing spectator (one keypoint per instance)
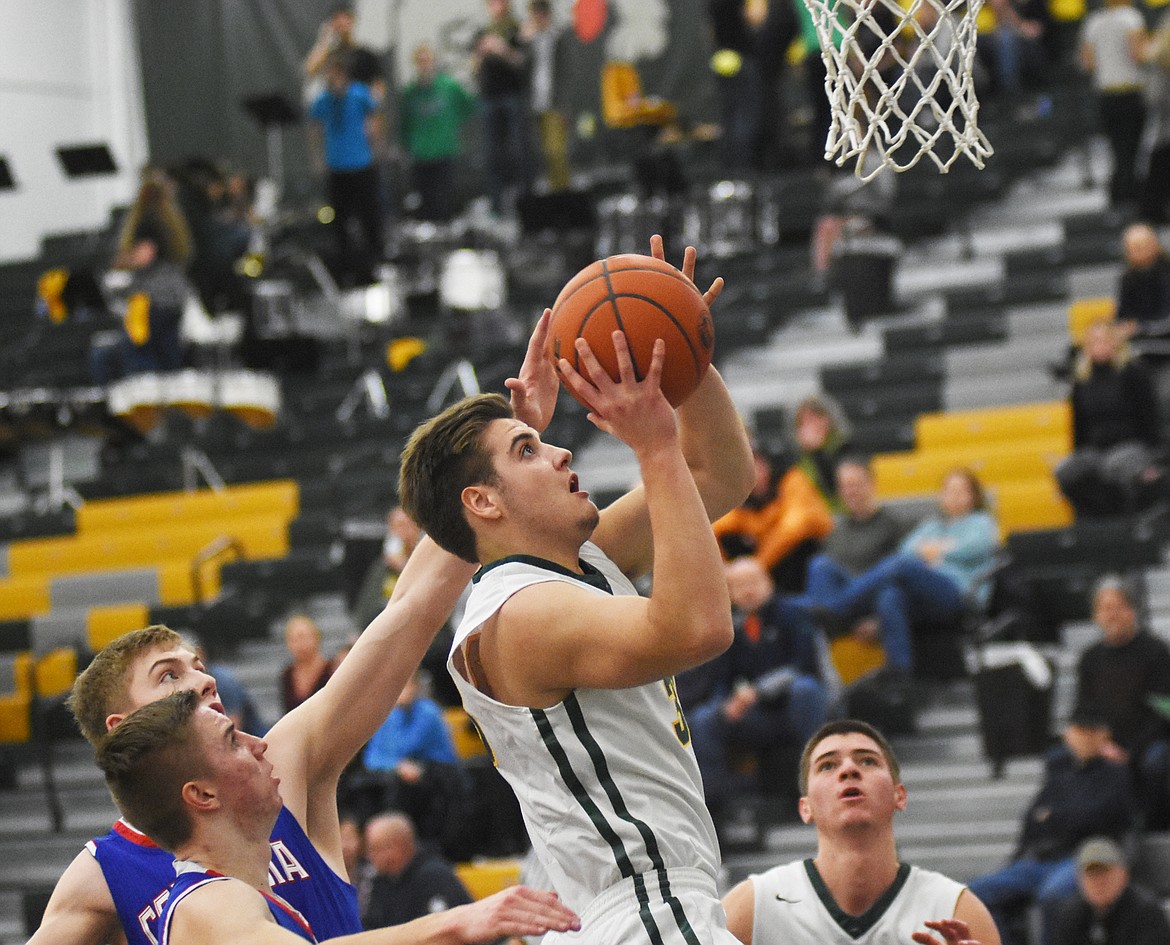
(1084, 794)
(751, 38)
(1017, 45)
(309, 668)
(1116, 429)
(937, 566)
(1119, 675)
(1112, 48)
(1108, 909)
(500, 62)
(335, 35)
(769, 691)
(410, 765)
(344, 132)
(406, 881)
(1143, 297)
(543, 38)
(1156, 189)
(432, 111)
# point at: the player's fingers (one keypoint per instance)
(924, 938)
(657, 360)
(688, 266)
(656, 249)
(540, 333)
(621, 348)
(577, 383)
(589, 365)
(714, 292)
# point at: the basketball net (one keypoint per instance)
(901, 90)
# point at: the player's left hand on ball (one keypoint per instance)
(534, 391)
(688, 268)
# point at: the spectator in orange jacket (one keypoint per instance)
(780, 524)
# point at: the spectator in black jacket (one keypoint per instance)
(1120, 675)
(1116, 429)
(1084, 794)
(403, 879)
(767, 691)
(1143, 296)
(1108, 909)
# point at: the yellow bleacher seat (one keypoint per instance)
(468, 744)
(1030, 504)
(1084, 312)
(23, 597)
(622, 103)
(853, 658)
(485, 877)
(54, 672)
(105, 624)
(260, 535)
(15, 721)
(960, 428)
(922, 471)
(278, 497)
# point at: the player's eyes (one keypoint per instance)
(527, 450)
(169, 674)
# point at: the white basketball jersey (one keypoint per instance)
(793, 905)
(606, 780)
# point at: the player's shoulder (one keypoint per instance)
(218, 908)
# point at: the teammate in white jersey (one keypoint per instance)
(855, 892)
(566, 670)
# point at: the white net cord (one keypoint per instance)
(900, 82)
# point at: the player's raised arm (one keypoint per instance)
(716, 449)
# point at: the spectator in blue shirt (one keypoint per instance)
(410, 765)
(344, 131)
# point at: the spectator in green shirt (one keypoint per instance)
(433, 109)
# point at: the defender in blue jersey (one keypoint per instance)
(207, 793)
(102, 899)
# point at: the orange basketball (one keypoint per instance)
(647, 299)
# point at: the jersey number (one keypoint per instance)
(681, 729)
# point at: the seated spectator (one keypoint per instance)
(766, 691)
(821, 432)
(863, 534)
(1143, 297)
(1116, 430)
(410, 765)
(156, 205)
(404, 881)
(780, 523)
(1084, 794)
(156, 296)
(1108, 909)
(929, 578)
(309, 669)
(1119, 675)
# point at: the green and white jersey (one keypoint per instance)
(606, 780)
(792, 904)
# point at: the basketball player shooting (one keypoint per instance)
(565, 668)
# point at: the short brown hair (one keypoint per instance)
(847, 727)
(444, 456)
(147, 759)
(100, 690)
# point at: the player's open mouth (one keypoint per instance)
(851, 792)
(573, 484)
